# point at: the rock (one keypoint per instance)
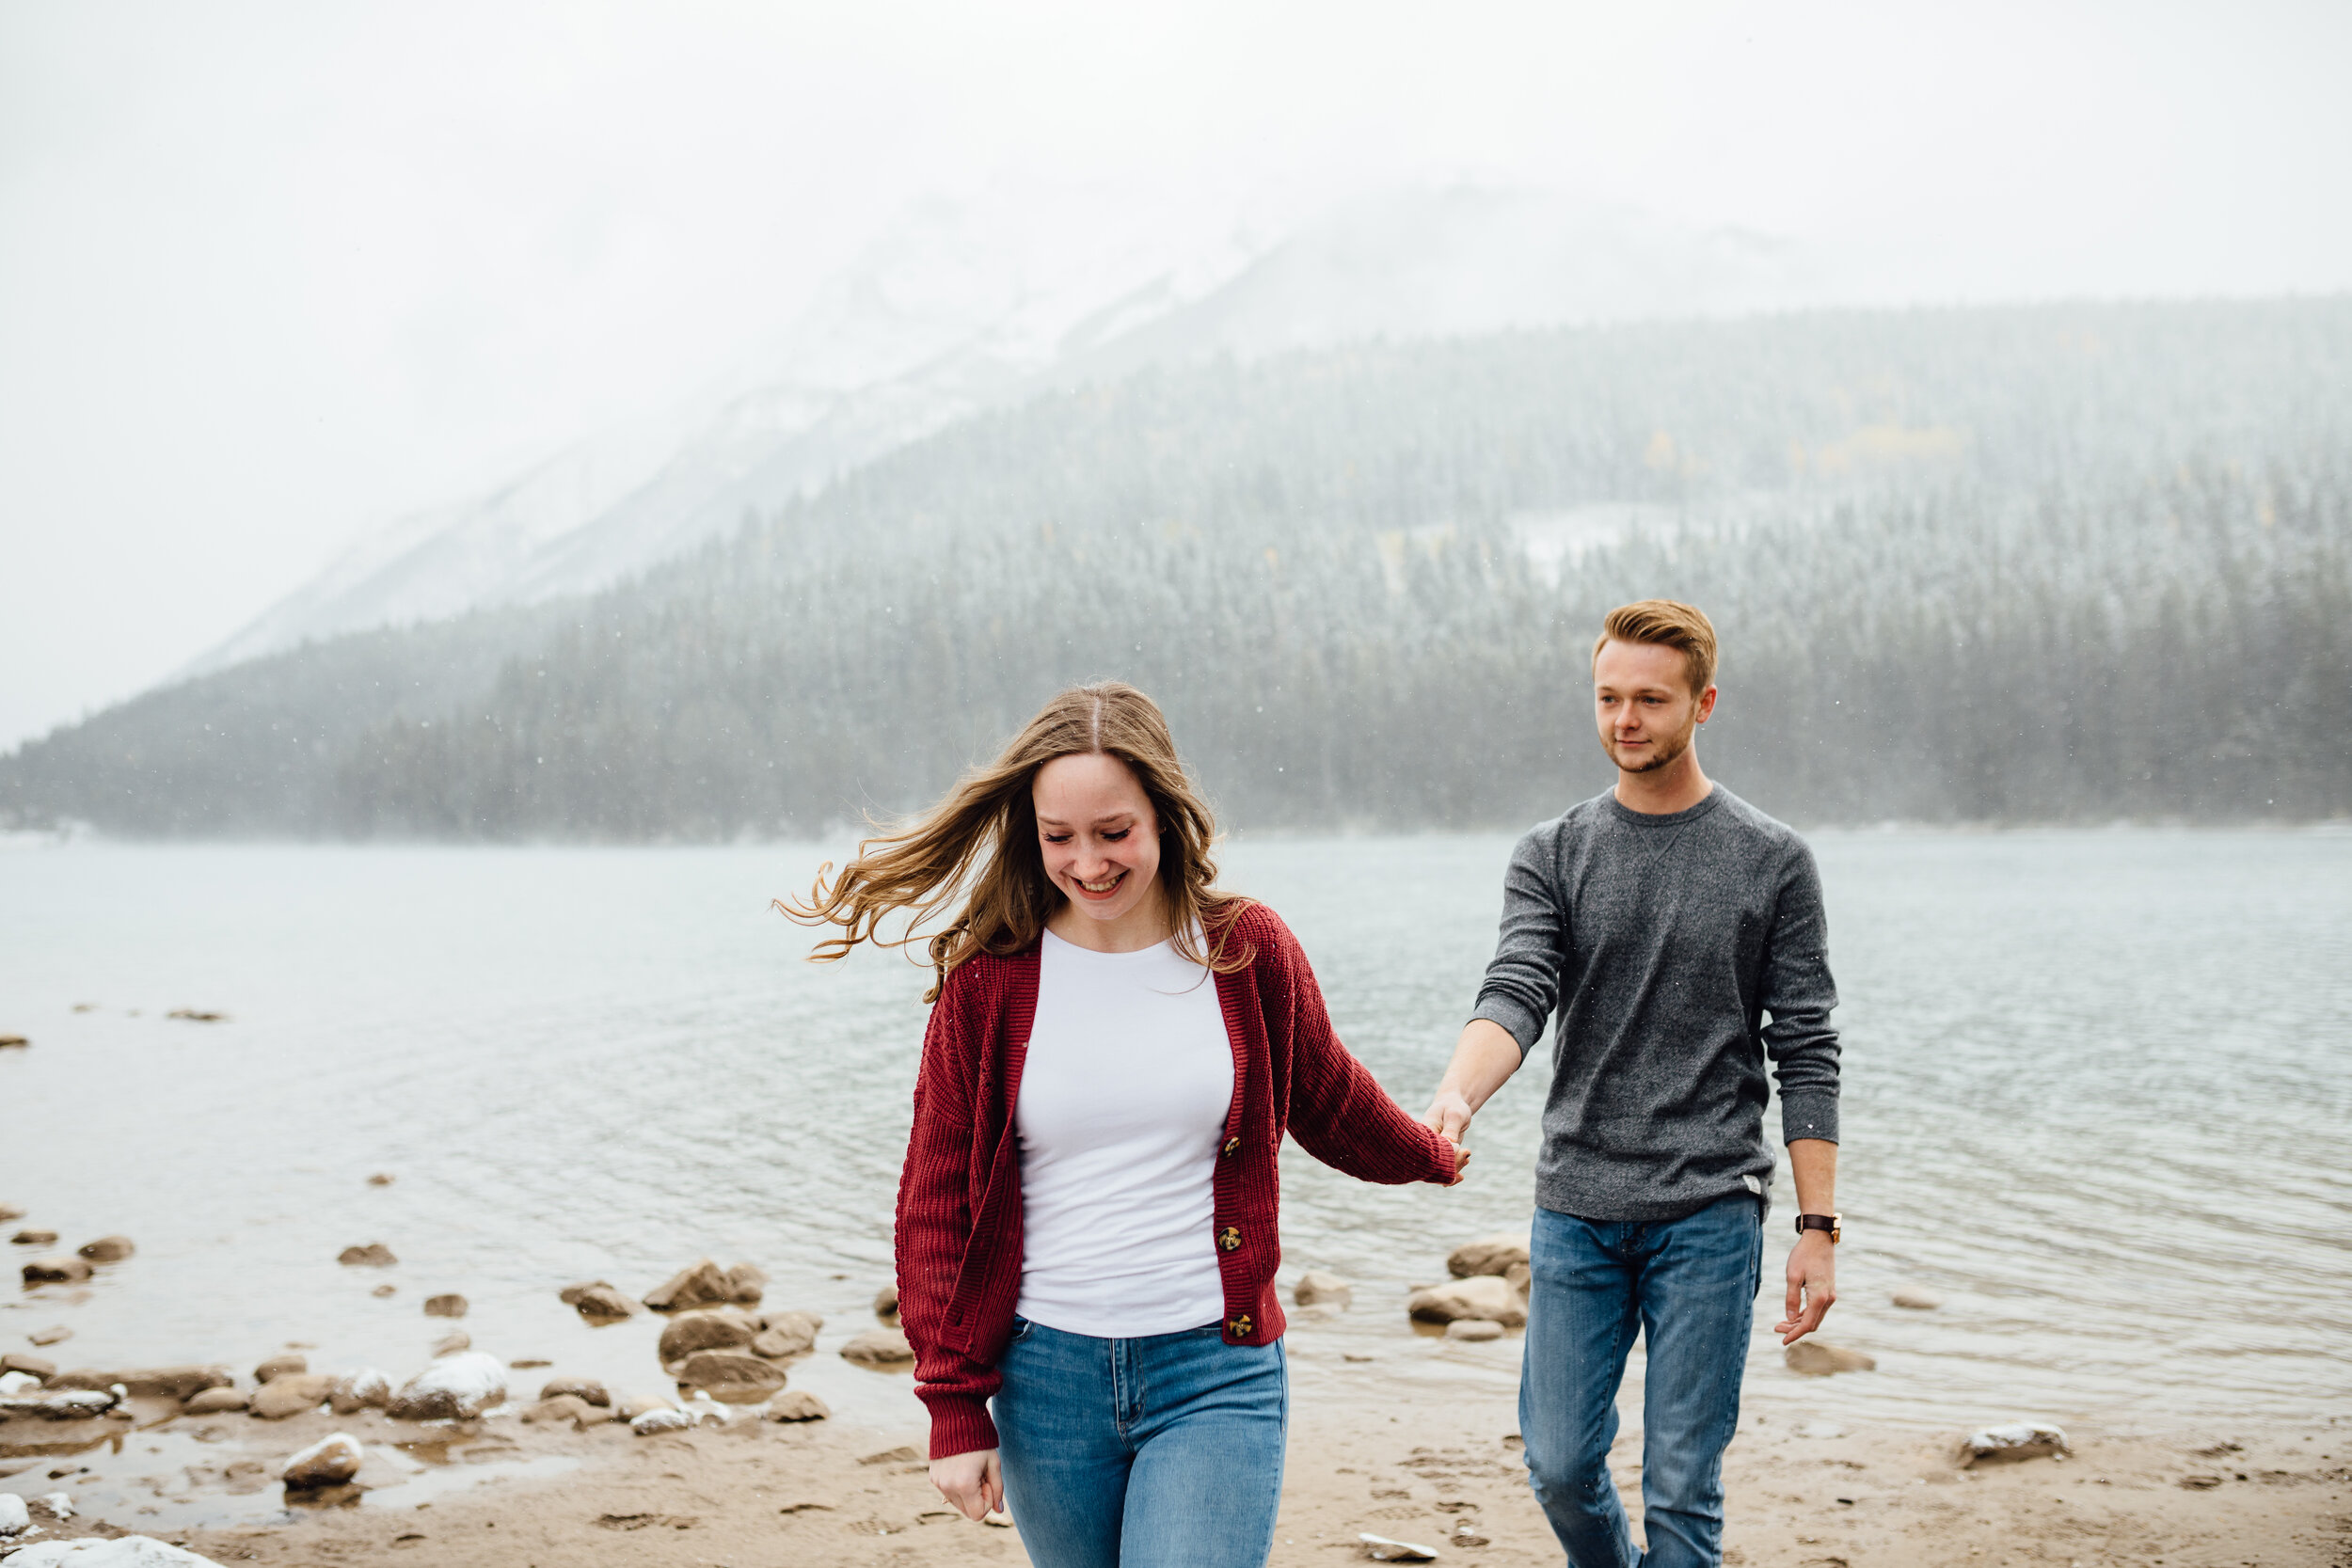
(56, 1334)
(56, 1268)
(1473, 1328)
(749, 1283)
(886, 1302)
(900, 1455)
(1915, 1301)
(1815, 1359)
(31, 1366)
(168, 1383)
(700, 1284)
(569, 1295)
(15, 1518)
(730, 1378)
(602, 1303)
(68, 1404)
(565, 1410)
(1381, 1549)
(387, 1290)
(92, 1551)
(213, 1402)
(666, 1417)
(450, 1343)
(329, 1462)
(1487, 1255)
(197, 1015)
(637, 1404)
(794, 1332)
(454, 1388)
(1319, 1285)
(585, 1389)
(12, 1212)
(691, 1331)
(381, 1179)
(107, 1249)
(13, 1042)
(879, 1347)
(360, 1389)
(797, 1405)
(279, 1366)
(1486, 1295)
(2005, 1445)
(1519, 1276)
(290, 1394)
(375, 1254)
(450, 1306)
(35, 1238)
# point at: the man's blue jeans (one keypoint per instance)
(1164, 1451)
(1687, 1286)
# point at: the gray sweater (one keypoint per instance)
(1663, 942)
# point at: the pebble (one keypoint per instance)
(1487, 1254)
(15, 1518)
(879, 1347)
(385, 1290)
(70, 1404)
(127, 1552)
(1486, 1295)
(107, 1249)
(1915, 1301)
(886, 1302)
(725, 1329)
(1473, 1328)
(602, 1303)
(454, 1388)
(585, 1389)
(2018, 1440)
(12, 1212)
(213, 1402)
(1320, 1286)
(13, 1042)
(290, 1394)
(797, 1405)
(637, 1404)
(31, 1366)
(783, 1335)
(564, 1409)
(56, 1334)
(749, 1283)
(375, 1254)
(381, 1179)
(702, 1283)
(1815, 1359)
(1381, 1549)
(731, 1378)
(57, 1268)
(279, 1366)
(171, 1383)
(665, 1418)
(361, 1389)
(329, 1462)
(35, 1238)
(450, 1343)
(449, 1306)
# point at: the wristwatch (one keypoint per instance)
(1818, 1221)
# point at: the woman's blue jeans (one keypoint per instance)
(1688, 1285)
(1164, 1451)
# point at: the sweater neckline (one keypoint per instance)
(1627, 815)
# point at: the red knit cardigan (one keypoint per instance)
(959, 1229)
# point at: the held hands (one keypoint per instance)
(1449, 1116)
(974, 1482)
(1812, 1285)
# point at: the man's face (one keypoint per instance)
(1642, 702)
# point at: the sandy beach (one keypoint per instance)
(1385, 1457)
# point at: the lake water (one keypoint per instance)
(2099, 1101)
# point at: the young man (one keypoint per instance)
(1662, 921)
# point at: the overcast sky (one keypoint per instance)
(271, 273)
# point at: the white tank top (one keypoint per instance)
(1123, 1098)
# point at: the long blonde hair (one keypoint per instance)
(989, 821)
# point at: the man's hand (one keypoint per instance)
(1812, 1285)
(1461, 1158)
(974, 1482)
(1449, 1116)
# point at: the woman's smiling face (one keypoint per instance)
(1100, 840)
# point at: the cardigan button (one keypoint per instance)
(1232, 1147)
(1229, 1238)
(1239, 1328)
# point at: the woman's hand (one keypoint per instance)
(1461, 1158)
(974, 1482)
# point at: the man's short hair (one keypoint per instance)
(1666, 624)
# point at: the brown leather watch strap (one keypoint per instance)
(1820, 1222)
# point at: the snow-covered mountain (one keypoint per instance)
(963, 304)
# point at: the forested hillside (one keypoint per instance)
(2064, 563)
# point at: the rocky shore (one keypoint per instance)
(716, 1456)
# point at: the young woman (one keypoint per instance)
(1087, 1231)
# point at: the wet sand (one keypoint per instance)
(1431, 1470)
